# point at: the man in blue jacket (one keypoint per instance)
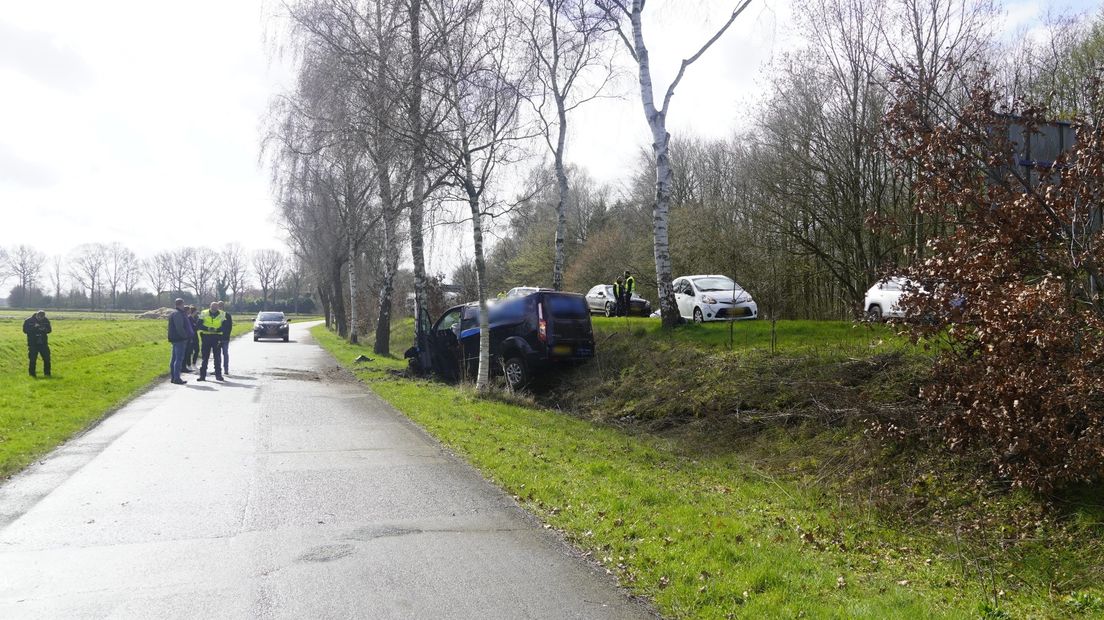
(37, 328)
(180, 332)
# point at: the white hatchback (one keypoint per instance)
(713, 298)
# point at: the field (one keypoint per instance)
(97, 365)
(765, 523)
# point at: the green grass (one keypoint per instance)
(790, 337)
(716, 535)
(97, 365)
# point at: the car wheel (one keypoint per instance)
(285, 338)
(874, 313)
(611, 311)
(698, 317)
(255, 339)
(515, 372)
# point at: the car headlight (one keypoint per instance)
(709, 300)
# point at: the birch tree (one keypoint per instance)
(479, 74)
(566, 41)
(656, 116)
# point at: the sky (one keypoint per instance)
(140, 122)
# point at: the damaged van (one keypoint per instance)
(530, 335)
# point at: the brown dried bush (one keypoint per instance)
(1008, 287)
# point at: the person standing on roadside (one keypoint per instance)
(227, 327)
(191, 354)
(618, 286)
(627, 291)
(37, 328)
(210, 336)
(180, 331)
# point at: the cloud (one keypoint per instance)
(23, 173)
(39, 56)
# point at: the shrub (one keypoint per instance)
(1009, 286)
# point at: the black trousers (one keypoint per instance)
(625, 303)
(35, 350)
(209, 343)
(191, 354)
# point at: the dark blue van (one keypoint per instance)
(529, 335)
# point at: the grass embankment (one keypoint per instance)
(727, 523)
(96, 364)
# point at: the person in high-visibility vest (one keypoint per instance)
(210, 338)
(627, 292)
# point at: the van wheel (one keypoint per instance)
(874, 313)
(515, 372)
(611, 311)
(698, 318)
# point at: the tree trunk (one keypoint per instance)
(418, 172)
(324, 299)
(354, 328)
(338, 300)
(483, 378)
(561, 203)
(657, 122)
(390, 266)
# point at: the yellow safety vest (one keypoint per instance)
(210, 324)
(630, 285)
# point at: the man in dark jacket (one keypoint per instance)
(180, 331)
(191, 352)
(37, 328)
(227, 327)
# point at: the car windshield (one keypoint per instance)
(270, 316)
(716, 283)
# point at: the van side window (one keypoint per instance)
(470, 318)
(448, 320)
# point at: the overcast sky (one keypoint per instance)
(139, 121)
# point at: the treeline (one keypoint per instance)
(405, 110)
(806, 210)
(97, 276)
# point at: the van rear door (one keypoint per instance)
(568, 329)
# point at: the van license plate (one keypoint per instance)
(562, 349)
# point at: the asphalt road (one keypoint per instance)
(288, 491)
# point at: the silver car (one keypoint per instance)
(600, 300)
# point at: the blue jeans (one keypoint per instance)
(176, 362)
(225, 354)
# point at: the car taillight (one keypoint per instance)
(542, 325)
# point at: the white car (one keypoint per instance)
(713, 298)
(883, 299)
(521, 291)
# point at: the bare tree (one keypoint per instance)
(177, 265)
(157, 273)
(566, 41)
(480, 76)
(268, 265)
(235, 269)
(57, 277)
(201, 267)
(25, 263)
(132, 274)
(117, 258)
(656, 116)
(88, 262)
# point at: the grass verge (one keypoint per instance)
(97, 366)
(717, 535)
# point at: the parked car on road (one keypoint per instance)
(713, 298)
(600, 300)
(270, 325)
(883, 299)
(530, 335)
